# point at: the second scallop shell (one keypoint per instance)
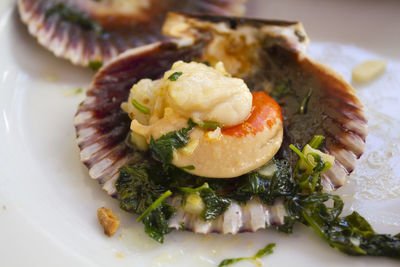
(85, 31)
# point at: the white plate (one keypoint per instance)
(48, 203)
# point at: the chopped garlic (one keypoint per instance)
(213, 136)
(190, 147)
(72, 92)
(368, 70)
(139, 141)
(268, 169)
(194, 204)
(307, 151)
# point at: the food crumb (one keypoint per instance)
(108, 220)
(50, 77)
(4, 207)
(72, 92)
(368, 70)
(119, 255)
(258, 263)
(213, 252)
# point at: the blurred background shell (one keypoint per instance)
(89, 32)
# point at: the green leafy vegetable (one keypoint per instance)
(174, 76)
(142, 188)
(135, 189)
(190, 190)
(210, 125)
(156, 223)
(254, 184)
(138, 189)
(304, 103)
(75, 16)
(282, 88)
(316, 141)
(351, 234)
(189, 168)
(164, 146)
(140, 107)
(95, 65)
(182, 226)
(310, 182)
(268, 249)
(154, 205)
(215, 204)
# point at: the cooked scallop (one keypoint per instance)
(236, 131)
(234, 151)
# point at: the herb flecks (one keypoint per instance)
(300, 35)
(95, 65)
(191, 190)
(282, 89)
(163, 147)
(74, 16)
(210, 125)
(154, 205)
(308, 170)
(215, 204)
(174, 76)
(316, 141)
(268, 249)
(188, 168)
(140, 107)
(304, 103)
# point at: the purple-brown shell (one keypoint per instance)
(85, 31)
(264, 54)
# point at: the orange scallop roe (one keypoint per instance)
(265, 111)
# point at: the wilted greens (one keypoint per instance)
(163, 147)
(268, 249)
(143, 187)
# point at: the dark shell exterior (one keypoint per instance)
(333, 109)
(82, 44)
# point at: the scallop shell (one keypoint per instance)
(109, 27)
(277, 53)
(249, 217)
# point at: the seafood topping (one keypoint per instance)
(235, 132)
(184, 123)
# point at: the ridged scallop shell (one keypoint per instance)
(333, 109)
(249, 217)
(121, 29)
